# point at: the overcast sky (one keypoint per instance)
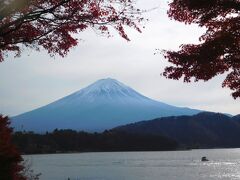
(35, 79)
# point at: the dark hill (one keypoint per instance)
(204, 130)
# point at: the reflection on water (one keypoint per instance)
(172, 165)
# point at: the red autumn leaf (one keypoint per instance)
(10, 159)
(219, 50)
(51, 23)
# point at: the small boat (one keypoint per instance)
(204, 158)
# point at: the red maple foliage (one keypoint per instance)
(10, 159)
(51, 23)
(219, 50)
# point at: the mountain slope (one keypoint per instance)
(236, 118)
(202, 130)
(102, 105)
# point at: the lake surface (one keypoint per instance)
(172, 165)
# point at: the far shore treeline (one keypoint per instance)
(68, 141)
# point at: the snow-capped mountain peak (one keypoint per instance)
(107, 85)
(102, 105)
(108, 88)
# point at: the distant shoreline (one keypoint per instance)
(129, 151)
(70, 141)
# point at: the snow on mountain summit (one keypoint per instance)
(107, 88)
(107, 85)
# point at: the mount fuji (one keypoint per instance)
(105, 104)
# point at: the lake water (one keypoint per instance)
(172, 165)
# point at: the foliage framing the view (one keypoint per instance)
(219, 51)
(10, 159)
(51, 23)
